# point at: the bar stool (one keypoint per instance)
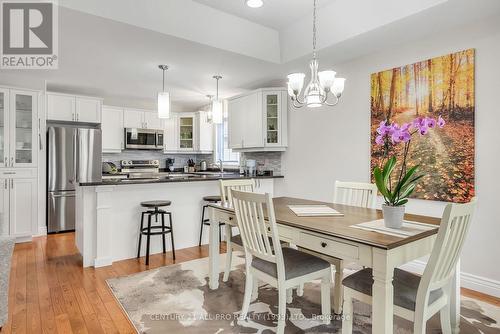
(208, 200)
(155, 230)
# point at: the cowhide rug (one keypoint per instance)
(176, 299)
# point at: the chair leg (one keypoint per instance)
(202, 223)
(163, 235)
(255, 292)
(281, 310)
(229, 253)
(300, 290)
(148, 239)
(348, 318)
(248, 291)
(171, 234)
(289, 296)
(444, 315)
(326, 308)
(140, 236)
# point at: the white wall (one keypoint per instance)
(334, 143)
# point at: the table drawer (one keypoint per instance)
(226, 217)
(328, 246)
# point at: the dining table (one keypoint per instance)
(341, 237)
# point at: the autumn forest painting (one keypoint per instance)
(441, 86)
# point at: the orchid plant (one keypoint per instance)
(396, 192)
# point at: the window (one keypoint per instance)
(222, 150)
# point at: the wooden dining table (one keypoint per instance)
(335, 236)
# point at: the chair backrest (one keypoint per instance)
(355, 194)
(226, 186)
(447, 248)
(255, 232)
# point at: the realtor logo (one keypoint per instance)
(29, 34)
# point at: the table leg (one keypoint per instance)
(455, 301)
(383, 293)
(338, 294)
(213, 251)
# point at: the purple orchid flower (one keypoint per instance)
(423, 130)
(441, 122)
(379, 140)
(430, 122)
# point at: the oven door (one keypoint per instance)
(140, 139)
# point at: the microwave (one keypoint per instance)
(143, 139)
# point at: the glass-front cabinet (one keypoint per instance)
(186, 133)
(275, 108)
(18, 128)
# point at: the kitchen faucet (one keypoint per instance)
(221, 166)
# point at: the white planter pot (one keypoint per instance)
(393, 215)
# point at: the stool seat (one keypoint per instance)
(211, 199)
(155, 204)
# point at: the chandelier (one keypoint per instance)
(322, 83)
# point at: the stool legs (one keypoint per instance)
(202, 222)
(163, 235)
(148, 237)
(140, 235)
(171, 234)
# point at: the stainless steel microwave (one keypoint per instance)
(143, 139)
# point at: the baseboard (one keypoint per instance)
(102, 262)
(469, 281)
(42, 230)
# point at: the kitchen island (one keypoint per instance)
(108, 213)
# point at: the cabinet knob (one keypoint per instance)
(324, 244)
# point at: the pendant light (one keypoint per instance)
(163, 97)
(321, 85)
(209, 111)
(217, 112)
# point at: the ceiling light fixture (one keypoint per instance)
(217, 104)
(163, 97)
(321, 85)
(254, 3)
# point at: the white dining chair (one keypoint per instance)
(232, 242)
(355, 194)
(267, 261)
(419, 298)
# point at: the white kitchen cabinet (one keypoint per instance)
(142, 119)
(205, 133)
(171, 142)
(73, 108)
(22, 207)
(188, 133)
(112, 129)
(258, 120)
(4, 207)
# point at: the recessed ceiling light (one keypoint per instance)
(254, 3)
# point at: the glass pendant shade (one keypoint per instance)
(254, 3)
(217, 115)
(295, 83)
(326, 79)
(164, 105)
(338, 86)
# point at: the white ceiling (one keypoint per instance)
(108, 57)
(276, 14)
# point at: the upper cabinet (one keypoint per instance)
(112, 129)
(142, 119)
(258, 120)
(18, 128)
(188, 133)
(72, 108)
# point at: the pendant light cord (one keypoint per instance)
(314, 29)
(163, 80)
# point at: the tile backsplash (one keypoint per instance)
(269, 160)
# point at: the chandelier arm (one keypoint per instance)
(298, 100)
(337, 100)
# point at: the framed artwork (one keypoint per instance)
(441, 86)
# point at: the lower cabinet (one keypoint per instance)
(18, 207)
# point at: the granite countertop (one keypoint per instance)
(177, 178)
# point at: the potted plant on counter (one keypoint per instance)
(396, 182)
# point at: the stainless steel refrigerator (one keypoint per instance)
(74, 156)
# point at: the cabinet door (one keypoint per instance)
(4, 207)
(22, 207)
(88, 110)
(133, 119)
(272, 118)
(112, 130)
(4, 127)
(252, 116)
(186, 133)
(171, 143)
(61, 107)
(23, 128)
(236, 123)
(205, 133)
(152, 120)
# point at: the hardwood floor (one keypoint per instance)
(50, 292)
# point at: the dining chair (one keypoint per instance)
(268, 261)
(232, 242)
(355, 194)
(419, 298)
